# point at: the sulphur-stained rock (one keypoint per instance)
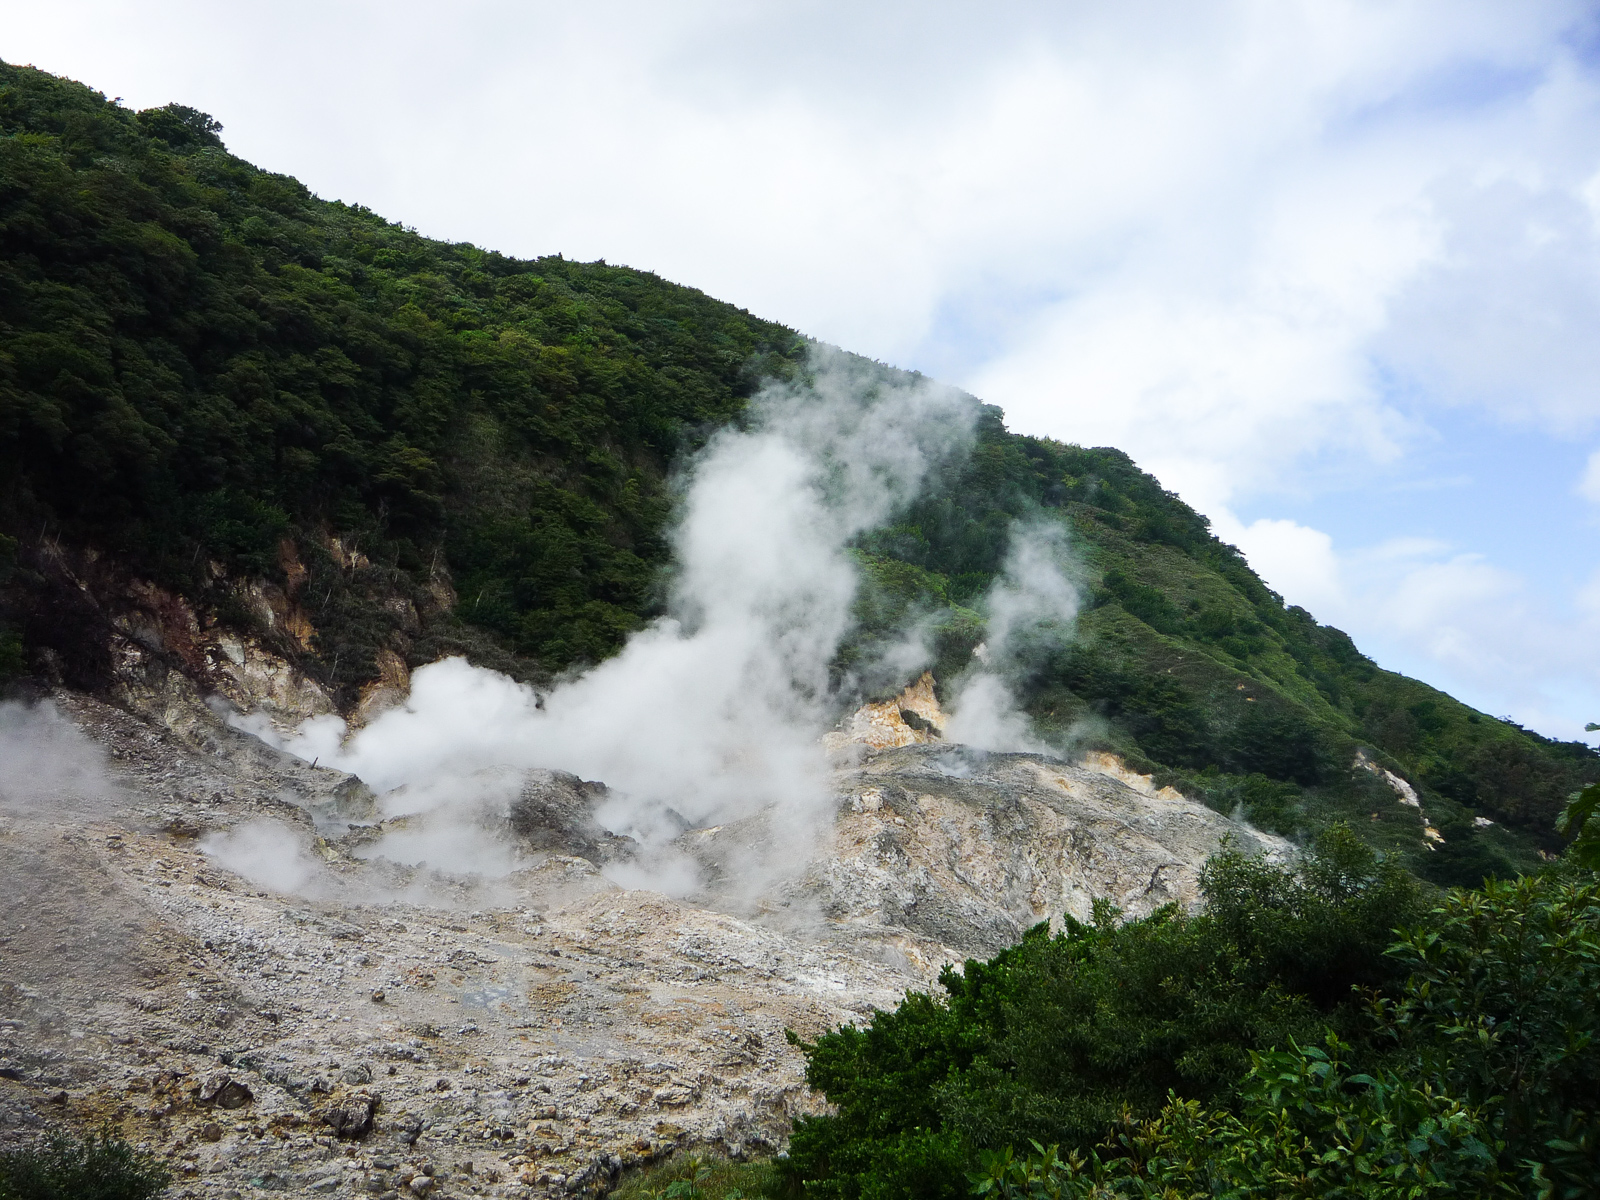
(909, 719)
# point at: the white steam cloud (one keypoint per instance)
(713, 712)
(1032, 604)
(48, 765)
(271, 855)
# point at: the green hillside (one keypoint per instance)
(202, 364)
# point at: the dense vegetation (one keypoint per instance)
(1275, 1044)
(98, 1167)
(199, 359)
(208, 375)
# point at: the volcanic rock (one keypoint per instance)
(550, 1026)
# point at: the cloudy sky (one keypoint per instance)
(1330, 270)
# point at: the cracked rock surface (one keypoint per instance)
(369, 1029)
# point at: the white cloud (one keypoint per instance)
(1589, 483)
(1423, 608)
(1296, 561)
(1588, 599)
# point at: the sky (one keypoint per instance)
(1329, 270)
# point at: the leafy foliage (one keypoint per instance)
(1500, 1010)
(1308, 1127)
(1470, 1068)
(1057, 1037)
(99, 1167)
(1580, 821)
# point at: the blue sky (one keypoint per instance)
(1330, 269)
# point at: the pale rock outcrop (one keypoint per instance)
(377, 1022)
(912, 718)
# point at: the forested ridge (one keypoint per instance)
(203, 366)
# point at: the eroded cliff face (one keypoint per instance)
(331, 1022)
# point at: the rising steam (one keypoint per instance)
(48, 765)
(1031, 607)
(713, 712)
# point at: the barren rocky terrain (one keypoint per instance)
(366, 1028)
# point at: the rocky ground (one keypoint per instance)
(360, 1028)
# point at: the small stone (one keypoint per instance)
(224, 1091)
(358, 1073)
(352, 1116)
(211, 1131)
(377, 995)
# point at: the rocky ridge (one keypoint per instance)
(364, 1028)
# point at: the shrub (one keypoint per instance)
(1309, 1127)
(99, 1167)
(1056, 1038)
(693, 1177)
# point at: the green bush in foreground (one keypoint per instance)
(1056, 1038)
(1491, 1089)
(1500, 1009)
(98, 1167)
(1309, 1128)
(692, 1177)
(1175, 1056)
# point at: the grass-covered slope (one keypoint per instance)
(207, 373)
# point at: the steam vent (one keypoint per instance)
(324, 1020)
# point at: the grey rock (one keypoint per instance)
(554, 812)
(224, 1091)
(351, 1116)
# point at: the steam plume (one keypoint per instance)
(47, 760)
(1032, 606)
(713, 712)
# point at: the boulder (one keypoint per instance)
(351, 1116)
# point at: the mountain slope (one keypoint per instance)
(209, 376)
(201, 358)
